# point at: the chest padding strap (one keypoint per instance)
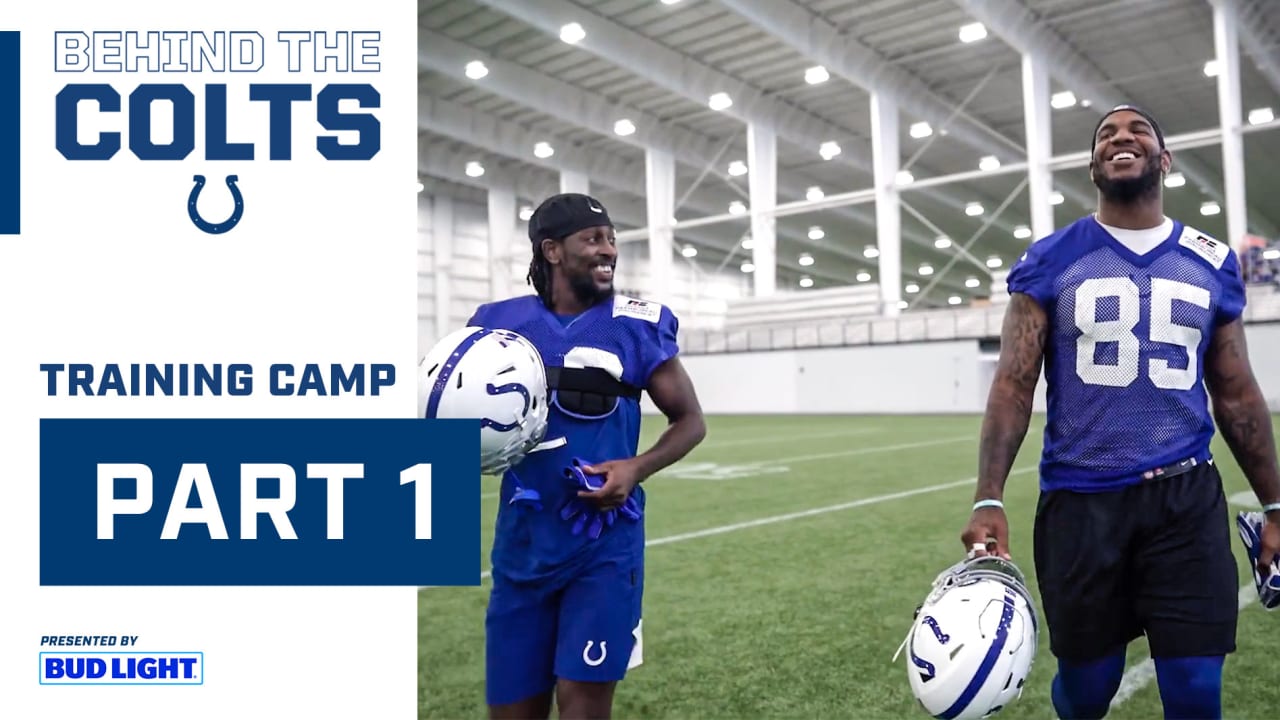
(588, 392)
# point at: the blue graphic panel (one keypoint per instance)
(10, 139)
(259, 502)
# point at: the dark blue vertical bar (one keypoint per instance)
(10, 124)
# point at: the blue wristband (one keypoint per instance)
(988, 503)
(1270, 508)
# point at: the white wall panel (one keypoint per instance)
(928, 377)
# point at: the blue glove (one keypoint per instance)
(629, 509)
(523, 495)
(1250, 526)
(585, 516)
(583, 513)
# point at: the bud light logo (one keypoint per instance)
(122, 668)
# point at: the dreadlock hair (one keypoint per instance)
(540, 275)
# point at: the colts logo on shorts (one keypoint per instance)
(10, 141)
(586, 653)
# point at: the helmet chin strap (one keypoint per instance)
(904, 644)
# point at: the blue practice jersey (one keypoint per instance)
(626, 337)
(1124, 357)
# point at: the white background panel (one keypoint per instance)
(109, 268)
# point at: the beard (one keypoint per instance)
(586, 290)
(1127, 190)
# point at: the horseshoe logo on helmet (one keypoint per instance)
(586, 653)
(517, 388)
(943, 638)
(225, 225)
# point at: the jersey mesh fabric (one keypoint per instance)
(537, 545)
(1125, 353)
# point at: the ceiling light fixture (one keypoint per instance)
(973, 32)
(1062, 100)
(1257, 116)
(572, 33)
(720, 101)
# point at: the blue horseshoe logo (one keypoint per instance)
(503, 390)
(225, 225)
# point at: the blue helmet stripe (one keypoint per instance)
(988, 662)
(446, 371)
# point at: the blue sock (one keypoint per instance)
(1191, 687)
(1083, 690)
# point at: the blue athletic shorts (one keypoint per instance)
(586, 629)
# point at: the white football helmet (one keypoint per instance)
(496, 376)
(973, 640)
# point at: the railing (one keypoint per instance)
(785, 331)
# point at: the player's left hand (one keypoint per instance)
(620, 477)
(1269, 542)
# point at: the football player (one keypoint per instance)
(1133, 315)
(568, 554)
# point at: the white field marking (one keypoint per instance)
(754, 441)
(861, 451)
(825, 456)
(773, 519)
(1244, 499)
(1140, 675)
(713, 445)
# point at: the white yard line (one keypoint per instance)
(824, 455)
(753, 441)
(772, 519)
(863, 451)
(714, 445)
(806, 513)
(828, 456)
(1140, 675)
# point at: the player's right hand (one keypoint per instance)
(987, 533)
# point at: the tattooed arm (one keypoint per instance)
(1004, 425)
(1241, 411)
(1022, 345)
